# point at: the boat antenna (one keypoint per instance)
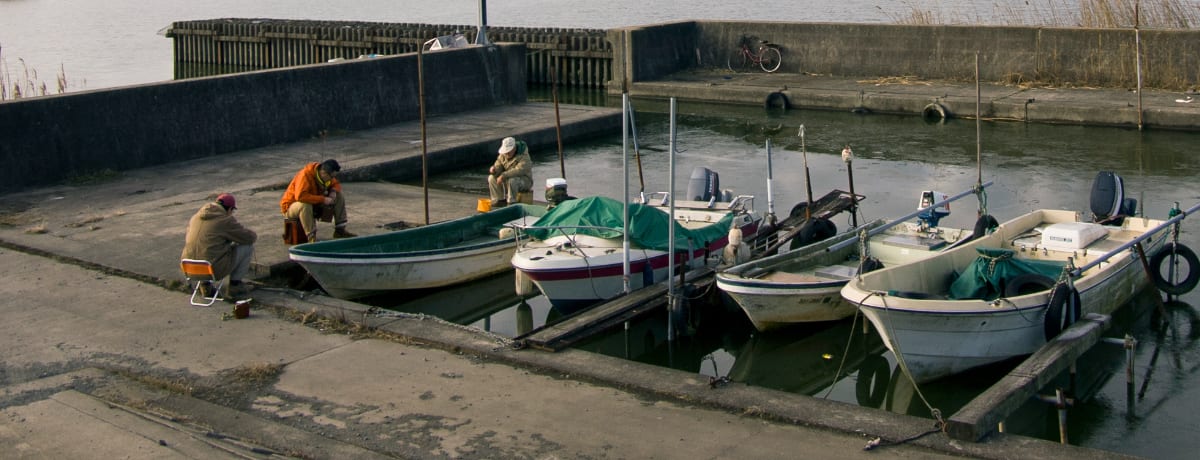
(848, 157)
(562, 167)
(637, 154)
(807, 178)
(424, 145)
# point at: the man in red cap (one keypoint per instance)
(511, 173)
(314, 191)
(213, 234)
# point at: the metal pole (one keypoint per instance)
(1061, 403)
(1137, 49)
(625, 191)
(770, 196)
(424, 148)
(978, 128)
(672, 299)
(481, 34)
(807, 178)
(1130, 378)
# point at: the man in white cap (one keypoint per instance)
(512, 173)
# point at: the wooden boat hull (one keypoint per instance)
(936, 337)
(435, 255)
(805, 284)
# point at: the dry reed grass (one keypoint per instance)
(1098, 14)
(26, 82)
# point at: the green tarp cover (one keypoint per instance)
(648, 225)
(986, 277)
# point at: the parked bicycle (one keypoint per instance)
(767, 56)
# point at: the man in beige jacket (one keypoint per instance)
(213, 234)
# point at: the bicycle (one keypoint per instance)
(768, 56)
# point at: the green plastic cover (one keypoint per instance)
(986, 277)
(648, 225)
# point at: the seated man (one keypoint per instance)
(511, 173)
(315, 192)
(213, 234)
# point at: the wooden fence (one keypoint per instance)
(583, 57)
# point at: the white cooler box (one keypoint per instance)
(1072, 235)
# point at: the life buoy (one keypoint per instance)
(934, 112)
(1058, 318)
(1027, 283)
(1172, 253)
(982, 225)
(872, 384)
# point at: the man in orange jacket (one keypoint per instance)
(315, 192)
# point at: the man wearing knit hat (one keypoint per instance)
(315, 192)
(213, 234)
(511, 173)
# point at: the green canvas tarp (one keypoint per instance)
(989, 273)
(649, 226)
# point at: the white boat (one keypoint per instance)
(575, 254)
(804, 285)
(1005, 294)
(434, 255)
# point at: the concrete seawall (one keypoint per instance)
(1050, 56)
(52, 138)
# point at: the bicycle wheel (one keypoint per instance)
(771, 59)
(738, 60)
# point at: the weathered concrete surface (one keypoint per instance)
(86, 314)
(1082, 106)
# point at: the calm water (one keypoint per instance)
(101, 44)
(1034, 166)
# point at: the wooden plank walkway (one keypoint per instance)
(984, 413)
(596, 319)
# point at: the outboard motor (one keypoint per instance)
(1108, 202)
(556, 191)
(704, 185)
(931, 217)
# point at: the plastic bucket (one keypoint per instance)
(484, 205)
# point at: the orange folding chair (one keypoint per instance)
(199, 271)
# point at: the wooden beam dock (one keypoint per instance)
(984, 413)
(597, 319)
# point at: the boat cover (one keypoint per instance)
(648, 225)
(987, 276)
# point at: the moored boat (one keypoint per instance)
(434, 255)
(804, 284)
(1005, 294)
(576, 255)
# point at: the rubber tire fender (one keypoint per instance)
(934, 112)
(1028, 283)
(1057, 317)
(1187, 284)
(874, 376)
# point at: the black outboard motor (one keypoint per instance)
(1109, 205)
(703, 185)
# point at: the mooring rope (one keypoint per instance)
(505, 343)
(939, 422)
(845, 353)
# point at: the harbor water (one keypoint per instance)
(119, 42)
(895, 158)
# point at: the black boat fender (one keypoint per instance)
(1172, 253)
(934, 112)
(1062, 310)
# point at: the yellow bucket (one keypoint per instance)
(484, 205)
